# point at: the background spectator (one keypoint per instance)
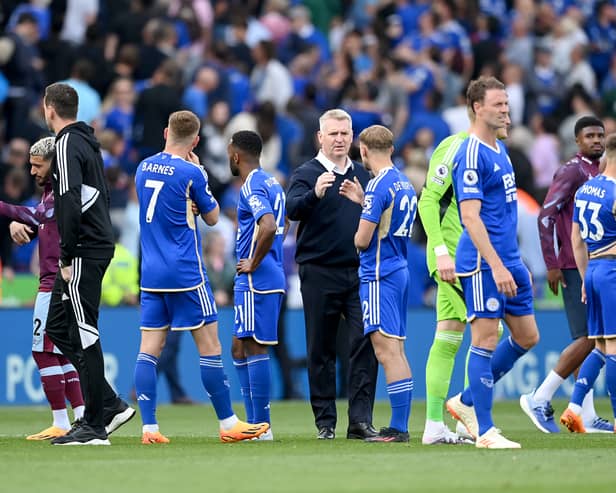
(273, 66)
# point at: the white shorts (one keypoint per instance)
(40, 340)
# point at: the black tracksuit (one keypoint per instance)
(328, 264)
(86, 243)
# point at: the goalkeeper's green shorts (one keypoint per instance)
(450, 303)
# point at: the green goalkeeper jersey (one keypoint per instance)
(437, 205)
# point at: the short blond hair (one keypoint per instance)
(377, 138)
(335, 114)
(183, 126)
(44, 148)
(610, 147)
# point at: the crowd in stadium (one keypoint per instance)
(275, 65)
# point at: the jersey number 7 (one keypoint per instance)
(157, 185)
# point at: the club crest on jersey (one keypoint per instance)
(492, 304)
(470, 177)
(255, 204)
(367, 204)
(442, 171)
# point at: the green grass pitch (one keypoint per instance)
(296, 462)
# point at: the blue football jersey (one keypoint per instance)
(595, 206)
(485, 173)
(171, 252)
(391, 203)
(260, 194)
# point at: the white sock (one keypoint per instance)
(575, 408)
(60, 419)
(150, 428)
(78, 412)
(433, 427)
(228, 423)
(548, 387)
(588, 407)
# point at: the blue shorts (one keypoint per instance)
(484, 301)
(256, 316)
(600, 282)
(383, 304)
(178, 310)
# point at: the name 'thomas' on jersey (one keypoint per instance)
(594, 209)
(391, 203)
(260, 194)
(167, 186)
(485, 173)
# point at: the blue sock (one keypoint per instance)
(505, 355)
(241, 367)
(466, 397)
(400, 399)
(481, 384)
(259, 374)
(589, 371)
(145, 387)
(408, 410)
(610, 379)
(216, 385)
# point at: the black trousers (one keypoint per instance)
(72, 325)
(329, 293)
(574, 308)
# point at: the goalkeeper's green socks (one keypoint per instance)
(438, 371)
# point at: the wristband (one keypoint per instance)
(441, 250)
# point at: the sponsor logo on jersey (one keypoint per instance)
(470, 177)
(367, 204)
(255, 204)
(442, 171)
(511, 193)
